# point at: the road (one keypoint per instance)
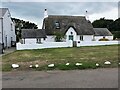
(97, 78)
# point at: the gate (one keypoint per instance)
(74, 43)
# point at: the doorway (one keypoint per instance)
(6, 41)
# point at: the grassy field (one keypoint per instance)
(60, 56)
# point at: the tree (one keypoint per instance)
(59, 36)
(21, 24)
(113, 26)
(102, 23)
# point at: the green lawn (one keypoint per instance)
(43, 57)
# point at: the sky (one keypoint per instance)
(33, 11)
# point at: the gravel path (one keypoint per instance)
(97, 78)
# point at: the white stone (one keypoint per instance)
(15, 66)
(51, 65)
(107, 63)
(36, 65)
(67, 64)
(78, 64)
(30, 66)
(119, 63)
(97, 64)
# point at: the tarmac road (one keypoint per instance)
(97, 78)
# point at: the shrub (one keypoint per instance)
(103, 39)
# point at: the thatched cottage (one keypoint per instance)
(75, 28)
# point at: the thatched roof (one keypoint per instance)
(102, 32)
(3, 11)
(79, 23)
(33, 33)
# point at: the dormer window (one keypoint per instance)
(57, 25)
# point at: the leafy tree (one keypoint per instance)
(59, 36)
(102, 23)
(113, 26)
(21, 24)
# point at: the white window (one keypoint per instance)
(81, 37)
(38, 40)
(57, 25)
(11, 27)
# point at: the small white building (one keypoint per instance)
(7, 28)
(101, 33)
(33, 36)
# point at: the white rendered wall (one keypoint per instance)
(30, 41)
(87, 37)
(99, 37)
(50, 39)
(8, 30)
(95, 43)
(0, 31)
(44, 45)
(69, 33)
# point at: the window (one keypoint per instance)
(38, 40)
(71, 33)
(44, 38)
(11, 27)
(81, 37)
(70, 37)
(57, 25)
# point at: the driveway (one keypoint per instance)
(97, 78)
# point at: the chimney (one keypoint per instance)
(45, 13)
(86, 15)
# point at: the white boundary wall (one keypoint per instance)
(95, 43)
(43, 45)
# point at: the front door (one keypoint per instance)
(74, 44)
(6, 40)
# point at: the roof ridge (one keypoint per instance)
(64, 16)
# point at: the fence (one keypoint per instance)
(43, 45)
(20, 46)
(95, 43)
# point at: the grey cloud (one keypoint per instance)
(35, 10)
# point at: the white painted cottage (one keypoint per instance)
(75, 28)
(7, 28)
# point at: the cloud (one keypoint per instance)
(61, 1)
(33, 11)
(112, 14)
(119, 9)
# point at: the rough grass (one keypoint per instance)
(60, 56)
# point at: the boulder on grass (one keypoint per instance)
(36, 65)
(107, 63)
(51, 65)
(67, 64)
(78, 64)
(31, 66)
(15, 66)
(97, 64)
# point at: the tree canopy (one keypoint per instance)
(21, 24)
(113, 26)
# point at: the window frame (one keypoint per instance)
(38, 40)
(57, 25)
(81, 37)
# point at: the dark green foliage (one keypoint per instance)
(59, 36)
(102, 23)
(113, 26)
(21, 24)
